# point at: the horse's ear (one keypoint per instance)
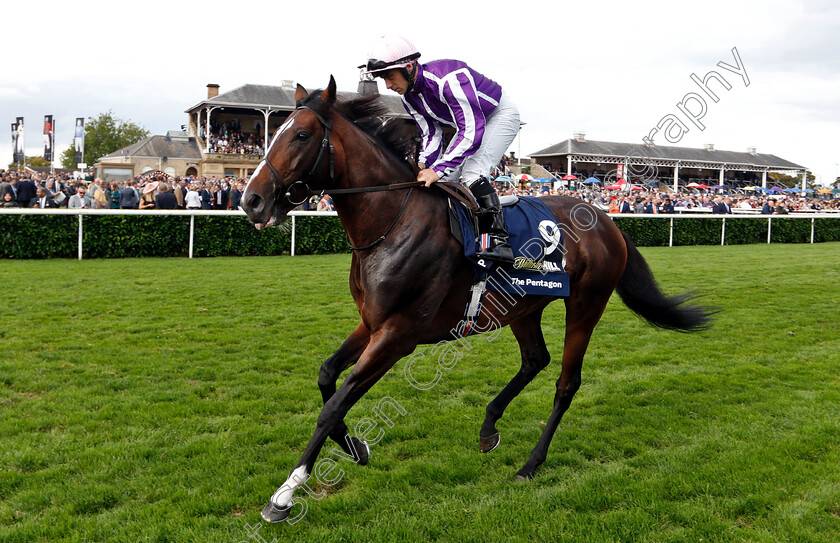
(328, 95)
(300, 93)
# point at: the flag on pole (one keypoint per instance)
(48, 138)
(19, 141)
(14, 142)
(79, 139)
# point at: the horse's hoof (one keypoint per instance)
(362, 450)
(487, 444)
(273, 513)
(523, 477)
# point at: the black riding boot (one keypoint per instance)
(491, 221)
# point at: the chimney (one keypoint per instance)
(212, 90)
(368, 87)
(287, 84)
(751, 150)
(709, 146)
(579, 136)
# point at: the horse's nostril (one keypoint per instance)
(254, 201)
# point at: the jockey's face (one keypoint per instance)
(395, 81)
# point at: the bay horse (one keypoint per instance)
(409, 277)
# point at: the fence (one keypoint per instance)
(192, 214)
(723, 218)
(622, 219)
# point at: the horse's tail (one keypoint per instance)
(640, 292)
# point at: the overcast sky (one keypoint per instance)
(611, 69)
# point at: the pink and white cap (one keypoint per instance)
(391, 52)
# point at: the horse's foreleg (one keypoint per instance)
(343, 358)
(535, 357)
(582, 314)
(382, 352)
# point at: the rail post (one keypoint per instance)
(192, 233)
(671, 235)
(293, 236)
(81, 236)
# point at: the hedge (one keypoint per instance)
(117, 236)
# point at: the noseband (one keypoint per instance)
(326, 147)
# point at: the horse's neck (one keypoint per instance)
(368, 165)
(366, 216)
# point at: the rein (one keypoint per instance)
(381, 238)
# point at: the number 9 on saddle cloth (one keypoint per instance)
(537, 242)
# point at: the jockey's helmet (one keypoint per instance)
(389, 53)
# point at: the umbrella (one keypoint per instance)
(636, 187)
(503, 179)
(791, 190)
(808, 191)
(824, 191)
(835, 191)
(776, 189)
(569, 177)
(591, 180)
(702, 186)
(692, 185)
(614, 186)
(525, 177)
(718, 187)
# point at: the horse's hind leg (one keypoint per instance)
(535, 357)
(346, 355)
(583, 310)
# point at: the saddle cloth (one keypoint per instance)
(537, 243)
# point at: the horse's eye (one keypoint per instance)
(301, 136)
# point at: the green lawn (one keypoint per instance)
(167, 399)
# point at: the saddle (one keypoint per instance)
(462, 195)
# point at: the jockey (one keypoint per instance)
(448, 92)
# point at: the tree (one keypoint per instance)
(32, 162)
(104, 135)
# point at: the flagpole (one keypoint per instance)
(52, 148)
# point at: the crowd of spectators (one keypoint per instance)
(650, 200)
(156, 190)
(148, 191)
(228, 138)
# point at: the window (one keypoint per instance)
(116, 174)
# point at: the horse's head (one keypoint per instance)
(299, 158)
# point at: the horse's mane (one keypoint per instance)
(368, 114)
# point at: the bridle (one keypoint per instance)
(328, 149)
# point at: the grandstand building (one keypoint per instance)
(668, 165)
(244, 117)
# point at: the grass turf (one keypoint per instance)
(166, 400)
